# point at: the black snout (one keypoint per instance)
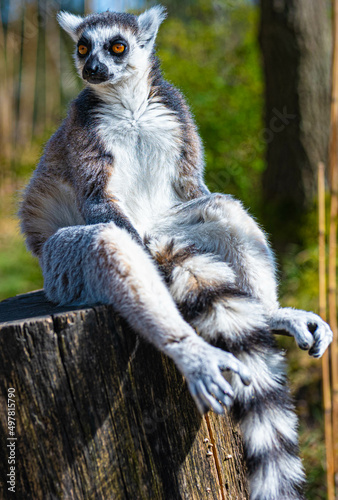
(94, 71)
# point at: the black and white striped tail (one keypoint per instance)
(267, 420)
(205, 291)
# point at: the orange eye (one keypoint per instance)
(82, 50)
(118, 48)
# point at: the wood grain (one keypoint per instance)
(101, 414)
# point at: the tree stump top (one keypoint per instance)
(30, 305)
(101, 414)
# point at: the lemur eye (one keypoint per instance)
(118, 48)
(82, 50)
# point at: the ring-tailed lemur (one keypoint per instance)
(117, 212)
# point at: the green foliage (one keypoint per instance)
(313, 454)
(213, 58)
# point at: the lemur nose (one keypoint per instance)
(90, 70)
(93, 69)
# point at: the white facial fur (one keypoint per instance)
(118, 67)
(139, 46)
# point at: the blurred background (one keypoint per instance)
(257, 77)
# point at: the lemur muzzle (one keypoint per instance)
(94, 71)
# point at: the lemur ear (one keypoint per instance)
(149, 22)
(69, 22)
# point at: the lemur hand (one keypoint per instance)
(201, 364)
(309, 330)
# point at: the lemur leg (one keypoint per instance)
(218, 224)
(205, 290)
(104, 264)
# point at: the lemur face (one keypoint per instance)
(104, 54)
(110, 46)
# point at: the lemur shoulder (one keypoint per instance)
(117, 212)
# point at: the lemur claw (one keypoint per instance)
(309, 330)
(204, 378)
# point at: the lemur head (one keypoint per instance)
(111, 46)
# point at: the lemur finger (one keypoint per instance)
(224, 386)
(208, 398)
(320, 330)
(323, 337)
(233, 364)
(222, 396)
(317, 350)
(303, 336)
(201, 405)
(311, 332)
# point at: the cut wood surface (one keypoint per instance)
(101, 414)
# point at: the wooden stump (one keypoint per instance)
(101, 414)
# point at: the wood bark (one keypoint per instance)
(296, 49)
(101, 414)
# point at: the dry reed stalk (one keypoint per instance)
(322, 311)
(333, 310)
(333, 234)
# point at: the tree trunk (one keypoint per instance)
(101, 414)
(295, 44)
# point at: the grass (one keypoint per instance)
(19, 271)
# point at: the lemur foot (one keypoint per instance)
(202, 364)
(309, 330)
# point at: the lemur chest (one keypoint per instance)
(146, 146)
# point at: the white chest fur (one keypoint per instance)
(143, 136)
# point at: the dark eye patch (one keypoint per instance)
(84, 41)
(118, 40)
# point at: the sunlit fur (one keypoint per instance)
(118, 213)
